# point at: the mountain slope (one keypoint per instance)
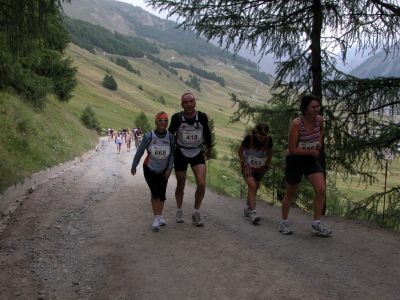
(379, 65)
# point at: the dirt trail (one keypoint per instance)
(86, 234)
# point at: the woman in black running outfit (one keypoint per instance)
(255, 155)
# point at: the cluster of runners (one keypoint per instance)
(125, 136)
(180, 145)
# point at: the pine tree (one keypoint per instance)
(109, 82)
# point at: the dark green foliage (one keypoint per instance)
(89, 119)
(161, 99)
(109, 82)
(207, 75)
(162, 63)
(179, 65)
(140, 87)
(142, 122)
(185, 43)
(88, 36)
(260, 76)
(123, 62)
(214, 152)
(32, 61)
(194, 82)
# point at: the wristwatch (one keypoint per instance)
(245, 164)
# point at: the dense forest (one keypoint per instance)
(88, 36)
(184, 42)
(260, 76)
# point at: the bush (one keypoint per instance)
(142, 122)
(89, 119)
(109, 82)
(161, 99)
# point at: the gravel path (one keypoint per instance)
(86, 234)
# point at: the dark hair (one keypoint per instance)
(305, 101)
(261, 127)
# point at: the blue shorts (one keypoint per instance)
(299, 165)
(119, 143)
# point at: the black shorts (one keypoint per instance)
(255, 173)
(299, 165)
(156, 182)
(181, 162)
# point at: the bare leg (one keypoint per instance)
(318, 182)
(200, 172)
(157, 206)
(180, 187)
(251, 192)
(291, 191)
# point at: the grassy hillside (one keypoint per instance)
(32, 140)
(118, 109)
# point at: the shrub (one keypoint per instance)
(109, 82)
(89, 119)
(142, 122)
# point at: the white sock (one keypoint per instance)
(284, 221)
(315, 222)
(195, 211)
(179, 209)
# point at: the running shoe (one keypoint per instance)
(179, 216)
(246, 211)
(320, 229)
(254, 216)
(161, 221)
(196, 220)
(284, 228)
(156, 223)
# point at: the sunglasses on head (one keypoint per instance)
(162, 120)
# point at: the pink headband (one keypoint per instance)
(162, 116)
(188, 96)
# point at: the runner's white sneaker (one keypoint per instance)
(179, 216)
(156, 223)
(246, 211)
(254, 216)
(161, 221)
(320, 229)
(196, 220)
(284, 228)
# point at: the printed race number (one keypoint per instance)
(256, 162)
(309, 145)
(160, 152)
(192, 137)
